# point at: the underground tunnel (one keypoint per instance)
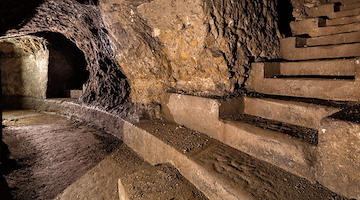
(158, 99)
(67, 67)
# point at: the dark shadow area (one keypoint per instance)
(6, 165)
(15, 13)
(67, 66)
(285, 10)
(11, 66)
(89, 2)
(351, 114)
(304, 134)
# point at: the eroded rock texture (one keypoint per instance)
(142, 48)
(137, 51)
(198, 47)
(244, 31)
(81, 23)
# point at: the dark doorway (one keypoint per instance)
(285, 10)
(67, 66)
(89, 2)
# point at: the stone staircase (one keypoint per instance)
(298, 125)
(288, 117)
(321, 60)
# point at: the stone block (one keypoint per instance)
(342, 38)
(297, 113)
(278, 149)
(343, 20)
(75, 94)
(338, 166)
(321, 10)
(316, 27)
(290, 49)
(198, 113)
(332, 89)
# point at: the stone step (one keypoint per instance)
(342, 38)
(191, 111)
(346, 13)
(349, 6)
(304, 134)
(75, 94)
(321, 10)
(345, 1)
(290, 112)
(339, 67)
(293, 49)
(274, 147)
(315, 27)
(343, 20)
(293, 113)
(162, 181)
(331, 11)
(137, 177)
(320, 88)
(219, 165)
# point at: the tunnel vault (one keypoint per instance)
(67, 67)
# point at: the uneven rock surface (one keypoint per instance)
(143, 48)
(139, 49)
(198, 47)
(107, 86)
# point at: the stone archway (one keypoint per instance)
(67, 67)
(49, 66)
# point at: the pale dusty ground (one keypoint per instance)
(52, 156)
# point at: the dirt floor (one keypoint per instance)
(53, 157)
(49, 152)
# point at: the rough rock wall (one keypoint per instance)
(244, 31)
(107, 86)
(24, 64)
(201, 47)
(138, 53)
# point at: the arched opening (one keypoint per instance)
(285, 10)
(49, 66)
(67, 67)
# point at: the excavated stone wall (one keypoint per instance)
(24, 63)
(197, 47)
(107, 87)
(142, 48)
